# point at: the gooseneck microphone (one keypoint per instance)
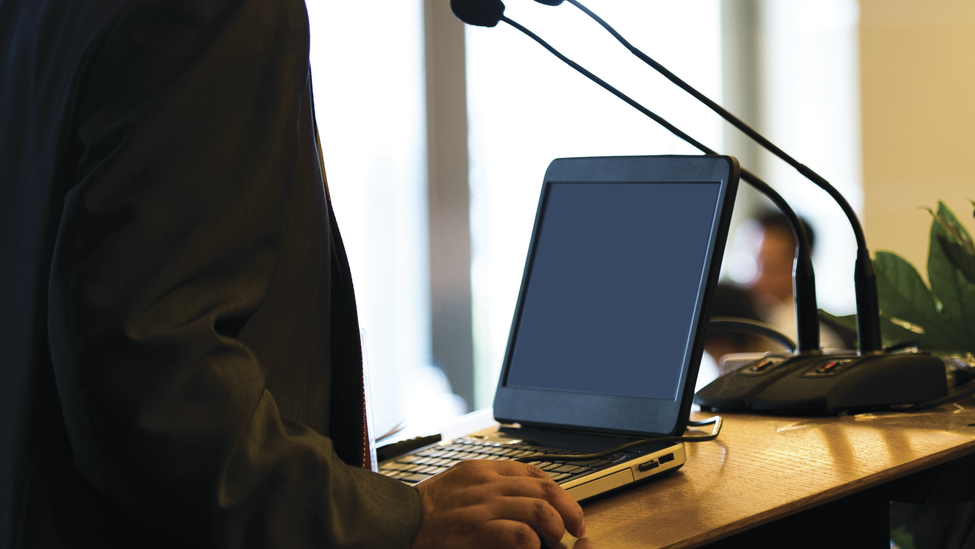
(808, 382)
(487, 13)
(865, 280)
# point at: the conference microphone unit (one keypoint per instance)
(808, 382)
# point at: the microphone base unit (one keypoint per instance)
(821, 384)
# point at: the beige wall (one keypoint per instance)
(918, 106)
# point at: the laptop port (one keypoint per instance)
(644, 467)
(666, 459)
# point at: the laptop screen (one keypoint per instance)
(610, 296)
(609, 322)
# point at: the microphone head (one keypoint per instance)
(482, 13)
(550, 2)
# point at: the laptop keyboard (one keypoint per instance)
(424, 464)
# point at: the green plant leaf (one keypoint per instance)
(956, 243)
(904, 297)
(849, 321)
(959, 257)
(890, 332)
(946, 218)
(939, 318)
(956, 295)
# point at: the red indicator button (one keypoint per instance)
(764, 364)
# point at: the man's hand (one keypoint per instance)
(494, 504)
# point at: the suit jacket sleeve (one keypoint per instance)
(196, 203)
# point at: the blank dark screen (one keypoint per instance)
(613, 288)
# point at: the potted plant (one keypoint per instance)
(939, 316)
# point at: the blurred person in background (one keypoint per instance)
(766, 296)
(770, 240)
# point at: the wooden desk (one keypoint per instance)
(809, 476)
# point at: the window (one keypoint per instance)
(368, 79)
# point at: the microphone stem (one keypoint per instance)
(868, 326)
(738, 123)
(803, 276)
(804, 284)
(656, 118)
(865, 280)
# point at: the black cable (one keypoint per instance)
(673, 129)
(736, 122)
(806, 321)
(865, 280)
(751, 178)
(901, 345)
(727, 324)
(947, 399)
(717, 421)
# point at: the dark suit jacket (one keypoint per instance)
(176, 316)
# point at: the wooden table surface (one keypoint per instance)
(763, 468)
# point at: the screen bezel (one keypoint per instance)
(617, 414)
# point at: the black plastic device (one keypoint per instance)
(827, 384)
(610, 322)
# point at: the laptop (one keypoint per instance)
(609, 326)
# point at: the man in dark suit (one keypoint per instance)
(180, 347)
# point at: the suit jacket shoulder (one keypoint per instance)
(171, 325)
